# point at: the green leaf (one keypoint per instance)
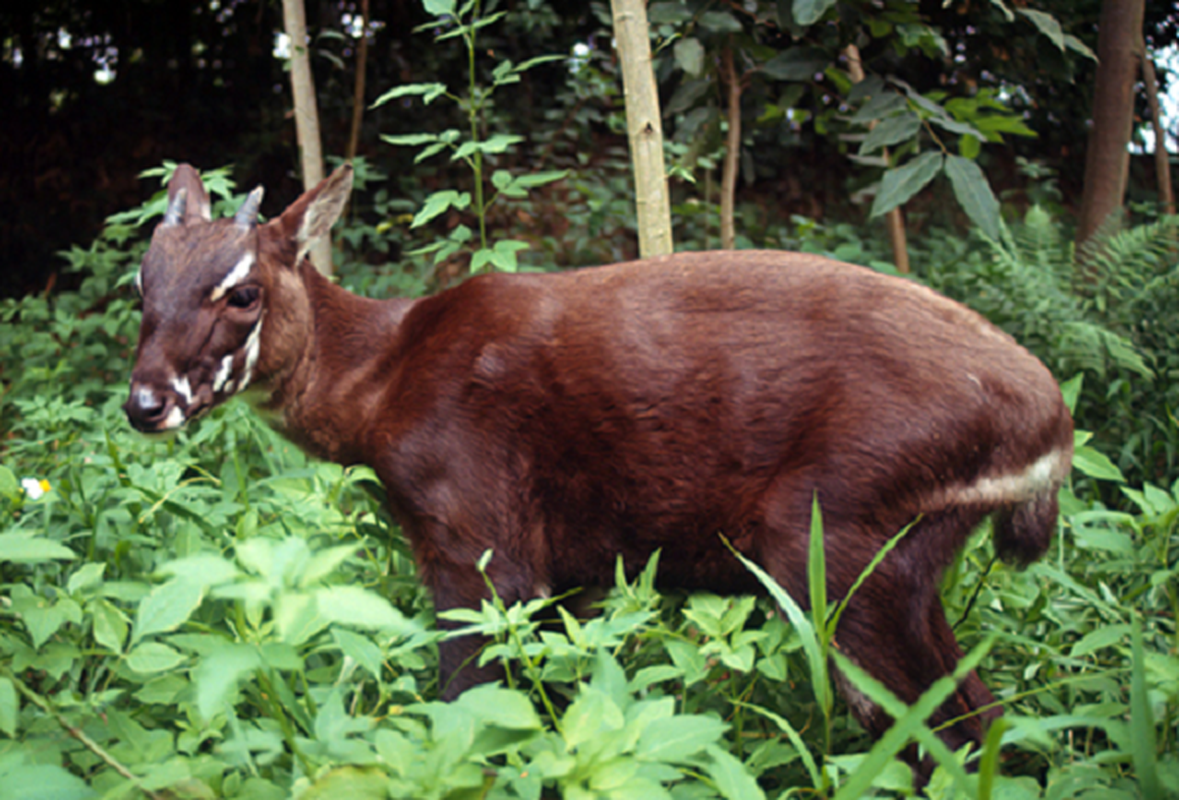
(154, 657)
(358, 608)
(428, 92)
(659, 13)
(44, 782)
(1105, 636)
(27, 548)
(1047, 24)
(796, 64)
(8, 482)
(808, 12)
(361, 650)
(974, 194)
(167, 607)
(86, 576)
(410, 139)
(720, 22)
(1142, 728)
(110, 625)
(678, 738)
(816, 573)
(439, 8)
(217, 675)
(1096, 464)
(890, 131)
(689, 56)
(898, 185)
(438, 203)
(9, 707)
(732, 780)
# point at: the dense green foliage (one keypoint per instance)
(213, 615)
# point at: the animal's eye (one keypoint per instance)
(243, 296)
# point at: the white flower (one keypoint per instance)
(34, 488)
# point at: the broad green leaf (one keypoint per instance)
(154, 657)
(974, 194)
(505, 708)
(44, 782)
(324, 563)
(204, 569)
(438, 203)
(110, 625)
(26, 548)
(808, 12)
(796, 64)
(720, 22)
(361, 650)
(731, 777)
(1073, 43)
(86, 576)
(8, 482)
(659, 13)
(1047, 24)
(166, 608)
(689, 56)
(890, 130)
(898, 185)
(358, 608)
(1096, 464)
(1099, 638)
(439, 8)
(677, 739)
(9, 708)
(217, 675)
(353, 783)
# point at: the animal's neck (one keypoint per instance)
(326, 396)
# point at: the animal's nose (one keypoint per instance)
(148, 410)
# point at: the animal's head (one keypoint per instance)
(224, 303)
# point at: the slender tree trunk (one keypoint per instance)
(306, 115)
(893, 221)
(732, 160)
(358, 87)
(1107, 160)
(1162, 159)
(644, 126)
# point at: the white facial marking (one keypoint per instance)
(139, 281)
(223, 373)
(253, 346)
(236, 275)
(145, 397)
(183, 388)
(174, 420)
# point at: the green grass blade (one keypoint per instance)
(1141, 722)
(833, 623)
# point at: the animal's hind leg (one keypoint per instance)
(896, 630)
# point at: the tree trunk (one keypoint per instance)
(1107, 160)
(306, 115)
(732, 160)
(893, 221)
(1162, 159)
(644, 126)
(358, 87)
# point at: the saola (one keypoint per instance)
(563, 420)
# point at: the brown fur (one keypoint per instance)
(563, 420)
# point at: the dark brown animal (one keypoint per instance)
(564, 419)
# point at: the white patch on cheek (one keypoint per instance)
(253, 347)
(183, 388)
(139, 281)
(236, 275)
(174, 420)
(223, 374)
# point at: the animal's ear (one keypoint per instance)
(188, 201)
(311, 217)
